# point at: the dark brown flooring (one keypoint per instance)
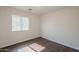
(38, 45)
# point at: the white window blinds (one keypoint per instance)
(20, 23)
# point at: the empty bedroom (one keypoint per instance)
(39, 29)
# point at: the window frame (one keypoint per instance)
(21, 26)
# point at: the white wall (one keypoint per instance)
(62, 26)
(7, 37)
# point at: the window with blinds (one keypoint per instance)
(20, 23)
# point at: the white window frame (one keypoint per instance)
(23, 26)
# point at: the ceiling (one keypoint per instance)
(38, 9)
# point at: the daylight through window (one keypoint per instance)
(20, 23)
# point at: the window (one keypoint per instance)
(20, 23)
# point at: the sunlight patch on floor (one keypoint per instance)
(25, 49)
(37, 47)
(31, 48)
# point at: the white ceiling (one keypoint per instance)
(38, 9)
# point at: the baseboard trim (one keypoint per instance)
(19, 43)
(60, 44)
